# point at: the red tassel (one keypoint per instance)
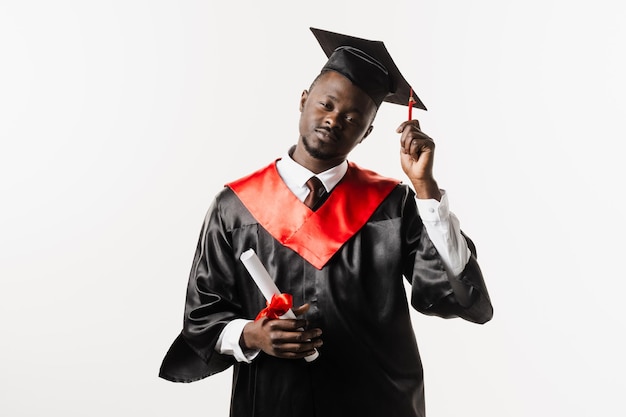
(411, 101)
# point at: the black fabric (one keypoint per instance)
(368, 65)
(363, 70)
(369, 365)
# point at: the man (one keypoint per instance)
(343, 258)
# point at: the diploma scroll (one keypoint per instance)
(267, 285)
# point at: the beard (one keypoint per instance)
(316, 152)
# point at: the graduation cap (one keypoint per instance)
(369, 66)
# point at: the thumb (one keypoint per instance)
(301, 310)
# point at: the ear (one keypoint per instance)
(367, 133)
(303, 97)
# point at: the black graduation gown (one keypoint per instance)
(369, 364)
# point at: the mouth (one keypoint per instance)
(326, 135)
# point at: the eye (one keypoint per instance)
(325, 105)
(351, 119)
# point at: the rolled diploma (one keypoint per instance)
(267, 285)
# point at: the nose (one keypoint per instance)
(333, 120)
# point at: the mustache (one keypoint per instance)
(332, 133)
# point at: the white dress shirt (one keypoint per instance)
(441, 225)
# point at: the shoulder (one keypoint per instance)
(368, 176)
(228, 211)
(254, 177)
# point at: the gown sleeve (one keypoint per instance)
(209, 306)
(431, 291)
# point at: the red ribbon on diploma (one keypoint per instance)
(276, 307)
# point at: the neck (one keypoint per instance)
(313, 164)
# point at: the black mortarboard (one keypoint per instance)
(368, 65)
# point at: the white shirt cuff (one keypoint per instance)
(444, 231)
(228, 342)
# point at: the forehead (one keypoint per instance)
(339, 88)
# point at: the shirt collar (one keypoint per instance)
(296, 175)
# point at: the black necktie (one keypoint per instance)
(317, 194)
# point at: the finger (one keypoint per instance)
(287, 325)
(293, 355)
(406, 123)
(301, 310)
(413, 150)
(408, 143)
(405, 140)
(410, 132)
(298, 350)
(308, 335)
(412, 141)
(400, 128)
(279, 338)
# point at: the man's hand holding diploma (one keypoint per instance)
(287, 337)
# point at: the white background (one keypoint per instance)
(119, 121)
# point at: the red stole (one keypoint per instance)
(314, 235)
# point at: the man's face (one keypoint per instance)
(335, 117)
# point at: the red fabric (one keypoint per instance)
(314, 235)
(279, 305)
